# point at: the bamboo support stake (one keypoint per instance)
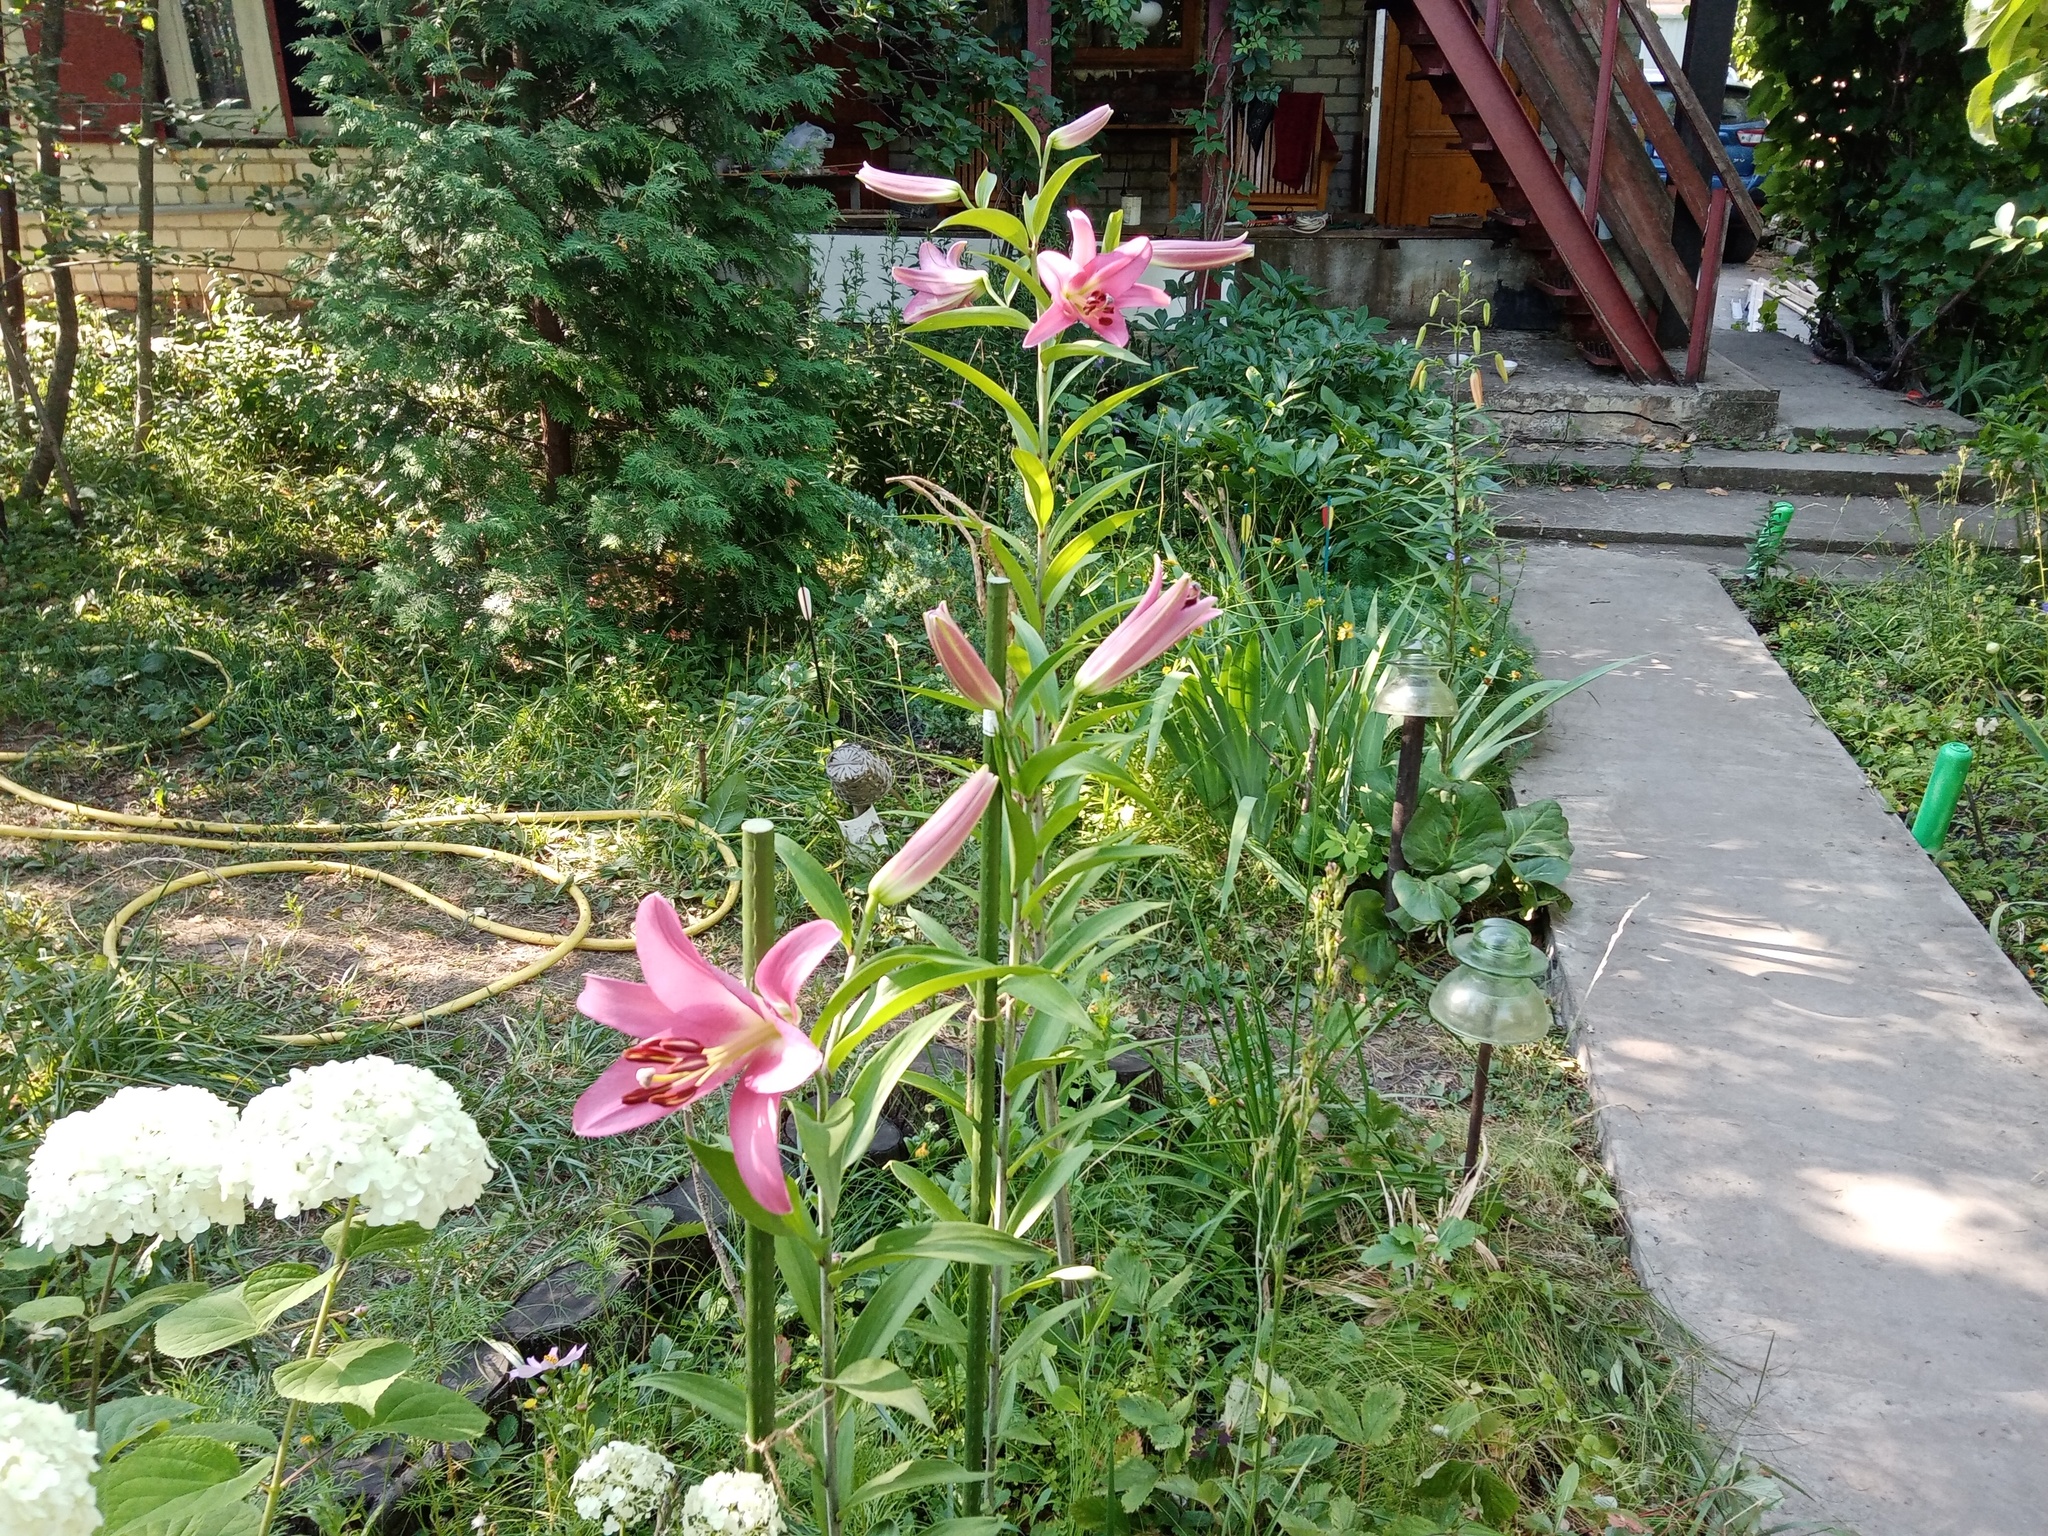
(757, 933)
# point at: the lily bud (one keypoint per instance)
(1083, 128)
(803, 603)
(969, 676)
(932, 846)
(1199, 255)
(903, 188)
(1161, 620)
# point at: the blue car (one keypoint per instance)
(1740, 133)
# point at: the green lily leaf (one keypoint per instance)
(882, 1381)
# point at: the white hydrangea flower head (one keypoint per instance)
(732, 1504)
(621, 1485)
(158, 1161)
(392, 1137)
(46, 1467)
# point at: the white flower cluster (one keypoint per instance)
(171, 1162)
(46, 1467)
(622, 1485)
(159, 1161)
(394, 1138)
(732, 1504)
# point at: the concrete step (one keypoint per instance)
(1746, 469)
(1822, 525)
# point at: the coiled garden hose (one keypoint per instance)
(320, 838)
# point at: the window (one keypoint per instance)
(222, 55)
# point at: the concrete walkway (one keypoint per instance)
(1821, 1087)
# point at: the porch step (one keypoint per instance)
(1882, 475)
(1823, 524)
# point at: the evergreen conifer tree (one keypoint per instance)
(582, 308)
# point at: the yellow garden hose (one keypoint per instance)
(318, 837)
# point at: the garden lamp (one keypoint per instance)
(1492, 998)
(1414, 691)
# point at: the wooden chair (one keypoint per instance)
(1255, 164)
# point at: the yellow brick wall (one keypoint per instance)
(203, 214)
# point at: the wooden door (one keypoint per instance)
(1424, 170)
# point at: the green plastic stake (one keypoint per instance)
(1769, 542)
(1944, 787)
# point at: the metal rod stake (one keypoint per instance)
(1407, 785)
(1472, 1129)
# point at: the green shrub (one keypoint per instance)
(1869, 153)
(583, 314)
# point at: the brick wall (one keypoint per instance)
(202, 212)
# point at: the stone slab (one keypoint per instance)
(1747, 469)
(1821, 1088)
(1727, 563)
(1555, 396)
(1822, 525)
(1816, 396)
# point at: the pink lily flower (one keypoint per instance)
(932, 846)
(1083, 128)
(1159, 622)
(970, 678)
(904, 188)
(1199, 255)
(938, 280)
(1093, 289)
(694, 1029)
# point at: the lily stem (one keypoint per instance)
(987, 1107)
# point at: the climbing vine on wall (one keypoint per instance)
(928, 68)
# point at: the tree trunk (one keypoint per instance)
(557, 437)
(13, 301)
(1219, 189)
(56, 411)
(145, 233)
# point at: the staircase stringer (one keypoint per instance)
(1521, 172)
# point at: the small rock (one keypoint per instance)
(910, 1105)
(479, 1373)
(887, 1147)
(683, 1245)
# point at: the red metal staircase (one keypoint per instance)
(1569, 66)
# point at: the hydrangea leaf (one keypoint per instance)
(424, 1410)
(158, 1471)
(356, 1372)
